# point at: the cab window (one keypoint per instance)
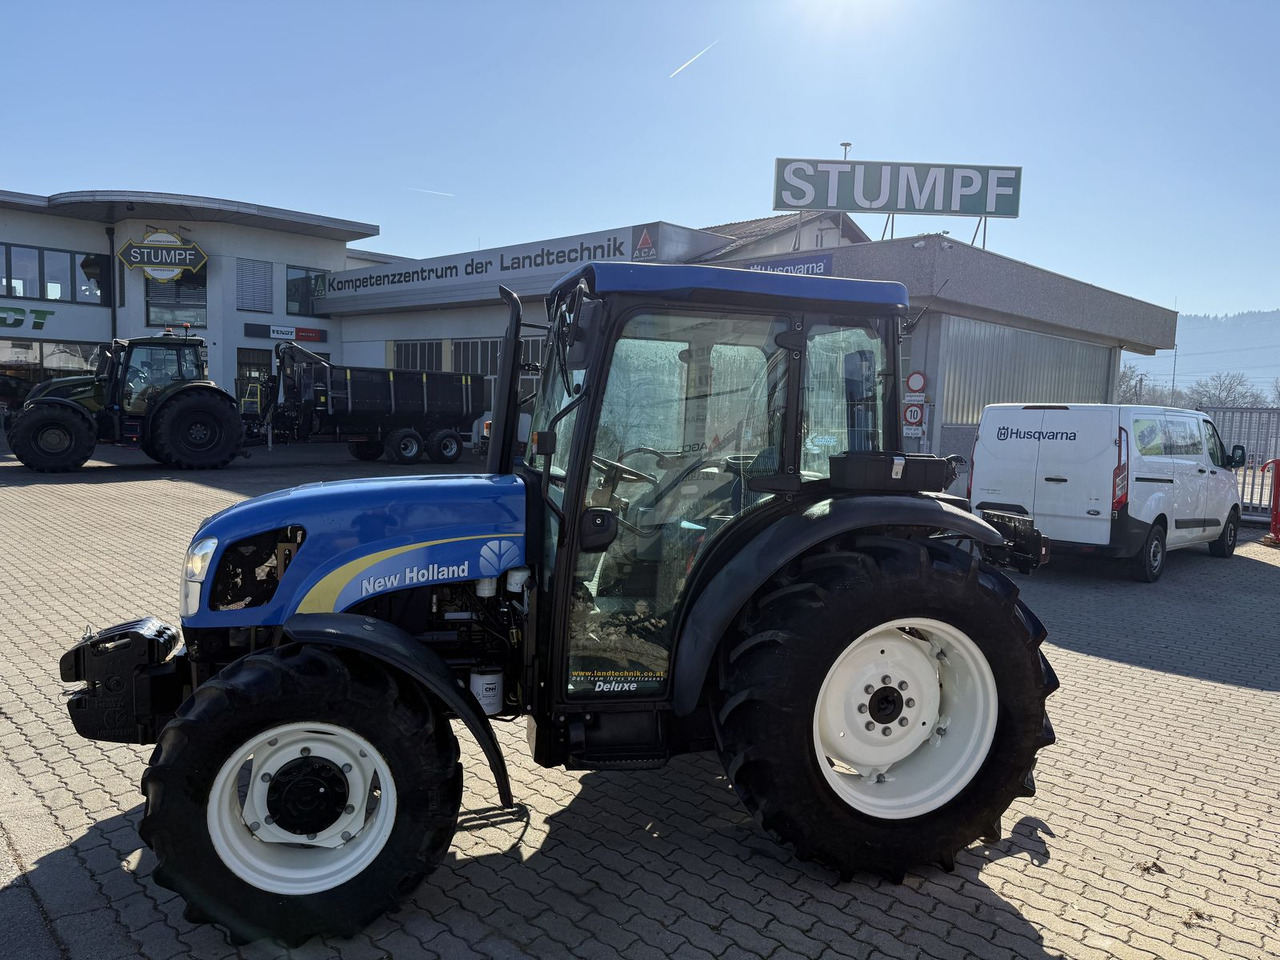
(1217, 453)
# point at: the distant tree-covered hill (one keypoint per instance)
(1247, 344)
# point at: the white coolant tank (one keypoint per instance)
(486, 685)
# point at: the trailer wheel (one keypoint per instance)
(404, 446)
(50, 438)
(366, 449)
(302, 791)
(444, 446)
(196, 430)
(882, 704)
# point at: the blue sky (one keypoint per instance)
(1147, 131)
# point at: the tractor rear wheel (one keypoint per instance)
(404, 446)
(303, 791)
(444, 446)
(51, 438)
(196, 430)
(365, 449)
(881, 704)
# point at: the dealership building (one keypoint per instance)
(81, 268)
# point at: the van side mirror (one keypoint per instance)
(597, 529)
(1237, 456)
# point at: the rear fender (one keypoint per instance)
(753, 563)
(200, 386)
(397, 649)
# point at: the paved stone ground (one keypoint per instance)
(1156, 831)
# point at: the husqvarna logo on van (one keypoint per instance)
(1013, 433)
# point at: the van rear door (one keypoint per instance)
(1075, 473)
(1004, 458)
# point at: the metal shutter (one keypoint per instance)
(253, 285)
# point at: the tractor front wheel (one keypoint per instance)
(882, 704)
(52, 438)
(302, 791)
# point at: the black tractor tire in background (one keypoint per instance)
(366, 449)
(1225, 545)
(1147, 564)
(290, 684)
(404, 446)
(51, 438)
(444, 446)
(789, 636)
(196, 430)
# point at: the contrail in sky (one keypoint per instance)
(438, 193)
(694, 57)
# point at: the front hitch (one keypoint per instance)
(1025, 548)
(135, 680)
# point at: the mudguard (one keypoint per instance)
(60, 402)
(754, 562)
(206, 386)
(397, 649)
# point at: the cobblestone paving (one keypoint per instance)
(1156, 831)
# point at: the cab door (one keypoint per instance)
(1222, 492)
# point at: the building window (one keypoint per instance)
(253, 285)
(303, 286)
(171, 303)
(24, 272)
(418, 354)
(57, 274)
(93, 272)
(24, 363)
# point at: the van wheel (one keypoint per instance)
(1147, 566)
(1225, 545)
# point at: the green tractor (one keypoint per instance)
(152, 393)
(711, 545)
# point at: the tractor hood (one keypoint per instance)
(369, 537)
(67, 388)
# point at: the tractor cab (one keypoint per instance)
(666, 419)
(136, 372)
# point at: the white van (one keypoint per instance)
(1110, 480)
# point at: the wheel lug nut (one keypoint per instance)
(868, 689)
(886, 680)
(311, 836)
(887, 731)
(266, 778)
(870, 725)
(902, 721)
(253, 827)
(346, 768)
(910, 702)
(349, 808)
(271, 820)
(306, 751)
(902, 685)
(273, 741)
(346, 834)
(862, 708)
(363, 754)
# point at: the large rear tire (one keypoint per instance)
(52, 438)
(303, 791)
(197, 430)
(882, 703)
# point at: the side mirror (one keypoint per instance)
(586, 319)
(597, 529)
(1237, 456)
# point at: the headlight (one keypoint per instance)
(199, 557)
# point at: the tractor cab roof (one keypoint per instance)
(680, 281)
(165, 340)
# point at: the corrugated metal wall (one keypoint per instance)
(987, 363)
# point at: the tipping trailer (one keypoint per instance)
(404, 414)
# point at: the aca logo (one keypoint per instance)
(1002, 433)
(498, 555)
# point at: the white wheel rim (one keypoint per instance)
(259, 851)
(949, 703)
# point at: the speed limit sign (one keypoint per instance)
(913, 414)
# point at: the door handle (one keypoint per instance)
(1214, 472)
(1055, 479)
(1201, 470)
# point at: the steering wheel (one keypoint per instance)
(135, 375)
(620, 472)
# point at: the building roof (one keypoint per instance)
(746, 232)
(112, 206)
(680, 279)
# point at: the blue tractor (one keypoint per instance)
(709, 544)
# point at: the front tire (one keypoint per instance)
(805, 674)
(303, 791)
(51, 439)
(1225, 545)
